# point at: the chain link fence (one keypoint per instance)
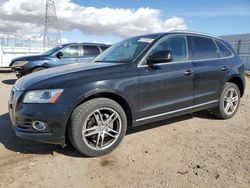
(241, 43)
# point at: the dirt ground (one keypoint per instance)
(189, 151)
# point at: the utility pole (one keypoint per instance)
(51, 32)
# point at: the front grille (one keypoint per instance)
(14, 95)
(13, 99)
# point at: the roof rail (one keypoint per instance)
(194, 32)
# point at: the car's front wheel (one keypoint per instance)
(38, 69)
(229, 101)
(97, 126)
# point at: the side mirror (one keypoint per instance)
(160, 57)
(59, 55)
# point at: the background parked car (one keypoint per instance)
(57, 56)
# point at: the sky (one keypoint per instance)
(109, 21)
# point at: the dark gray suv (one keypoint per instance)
(139, 80)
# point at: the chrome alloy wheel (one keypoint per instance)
(231, 101)
(102, 128)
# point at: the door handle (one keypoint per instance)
(76, 60)
(188, 72)
(224, 68)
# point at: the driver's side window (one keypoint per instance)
(177, 45)
(70, 51)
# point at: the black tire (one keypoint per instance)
(38, 69)
(220, 110)
(77, 123)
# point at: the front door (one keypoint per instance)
(71, 54)
(166, 89)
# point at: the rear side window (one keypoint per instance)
(70, 51)
(224, 51)
(203, 48)
(104, 48)
(90, 50)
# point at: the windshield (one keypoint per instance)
(53, 50)
(127, 50)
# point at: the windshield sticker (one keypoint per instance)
(147, 40)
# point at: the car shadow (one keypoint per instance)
(9, 81)
(205, 114)
(13, 143)
(5, 70)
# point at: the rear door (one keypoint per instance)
(166, 88)
(209, 70)
(103, 48)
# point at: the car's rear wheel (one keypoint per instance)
(97, 126)
(229, 101)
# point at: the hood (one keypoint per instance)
(60, 74)
(29, 58)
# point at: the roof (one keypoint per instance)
(180, 32)
(193, 32)
(85, 43)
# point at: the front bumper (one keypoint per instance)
(23, 115)
(41, 137)
(20, 71)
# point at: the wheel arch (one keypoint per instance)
(110, 95)
(239, 82)
(39, 66)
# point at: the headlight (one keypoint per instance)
(42, 96)
(19, 63)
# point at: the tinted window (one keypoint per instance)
(90, 50)
(203, 48)
(104, 48)
(223, 49)
(70, 51)
(175, 44)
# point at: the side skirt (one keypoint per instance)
(175, 113)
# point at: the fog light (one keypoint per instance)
(39, 125)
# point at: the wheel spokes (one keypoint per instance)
(234, 99)
(97, 140)
(232, 107)
(90, 129)
(227, 99)
(231, 93)
(113, 136)
(111, 118)
(105, 128)
(98, 117)
(227, 107)
(102, 136)
(112, 130)
(91, 133)
(231, 101)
